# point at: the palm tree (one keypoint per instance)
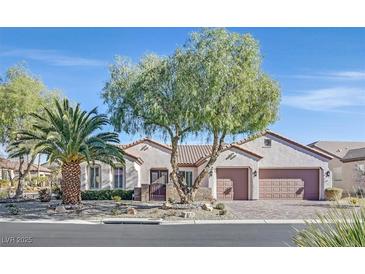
(67, 136)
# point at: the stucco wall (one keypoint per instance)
(234, 158)
(352, 179)
(131, 175)
(283, 154)
(153, 158)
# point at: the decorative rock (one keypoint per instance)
(166, 205)
(131, 211)
(60, 209)
(50, 211)
(207, 207)
(187, 214)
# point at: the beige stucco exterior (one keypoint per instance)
(281, 154)
(350, 178)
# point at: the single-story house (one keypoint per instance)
(10, 169)
(347, 164)
(265, 166)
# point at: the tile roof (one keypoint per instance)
(354, 155)
(337, 148)
(190, 154)
(14, 165)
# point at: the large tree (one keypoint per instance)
(153, 96)
(213, 84)
(237, 97)
(21, 93)
(70, 136)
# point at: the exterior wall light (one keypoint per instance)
(254, 173)
(328, 173)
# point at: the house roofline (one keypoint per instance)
(146, 139)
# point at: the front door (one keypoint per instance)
(158, 181)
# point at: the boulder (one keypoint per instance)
(60, 209)
(50, 211)
(187, 214)
(207, 207)
(131, 211)
(166, 206)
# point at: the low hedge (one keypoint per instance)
(106, 194)
(333, 193)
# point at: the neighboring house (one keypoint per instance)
(6, 169)
(347, 165)
(266, 166)
(11, 168)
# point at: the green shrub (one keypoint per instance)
(57, 191)
(44, 195)
(220, 206)
(106, 194)
(333, 193)
(5, 183)
(117, 199)
(223, 212)
(339, 227)
(13, 209)
(4, 194)
(354, 201)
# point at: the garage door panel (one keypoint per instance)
(232, 183)
(289, 184)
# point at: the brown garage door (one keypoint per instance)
(232, 184)
(289, 184)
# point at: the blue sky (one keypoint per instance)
(321, 70)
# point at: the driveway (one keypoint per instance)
(277, 209)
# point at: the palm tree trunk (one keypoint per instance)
(71, 183)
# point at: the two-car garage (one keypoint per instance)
(274, 184)
(286, 184)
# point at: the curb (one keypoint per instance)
(83, 222)
(155, 221)
(141, 221)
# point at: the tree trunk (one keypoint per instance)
(174, 175)
(71, 183)
(21, 175)
(217, 148)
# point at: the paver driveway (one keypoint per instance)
(277, 209)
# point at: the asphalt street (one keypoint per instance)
(35, 234)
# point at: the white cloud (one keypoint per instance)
(333, 75)
(328, 99)
(53, 57)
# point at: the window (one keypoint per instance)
(95, 177)
(267, 142)
(118, 177)
(337, 174)
(188, 177)
(4, 174)
(159, 176)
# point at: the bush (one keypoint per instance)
(339, 227)
(223, 212)
(13, 209)
(106, 194)
(117, 199)
(220, 206)
(353, 201)
(333, 193)
(4, 194)
(5, 183)
(56, 190)
(44, 195)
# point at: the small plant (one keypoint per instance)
(220, 206)
(117, 199)
(5, 194)
(354, 201)
(116, 211)
(222, 212)
(171, 200)
(339, 227)
(44, 195)
(56, 190)
(333, 193)
(13, 209)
